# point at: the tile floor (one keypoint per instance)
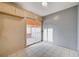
(45, 49)
(35, 37)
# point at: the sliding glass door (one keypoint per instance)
(33, 31)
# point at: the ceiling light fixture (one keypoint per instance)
(44, 4)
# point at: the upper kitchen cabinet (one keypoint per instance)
(19, 12)
(13, 10)
(6, 8)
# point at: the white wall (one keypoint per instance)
(64, 24)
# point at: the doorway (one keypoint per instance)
(33, 31)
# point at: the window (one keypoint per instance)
(48, 34)
(28, 29)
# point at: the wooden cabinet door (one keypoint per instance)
(7, 8)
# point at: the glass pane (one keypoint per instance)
(45, 35)
(50, 35)
(28, 29)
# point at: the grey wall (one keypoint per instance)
(64, 24)
(78, 29)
